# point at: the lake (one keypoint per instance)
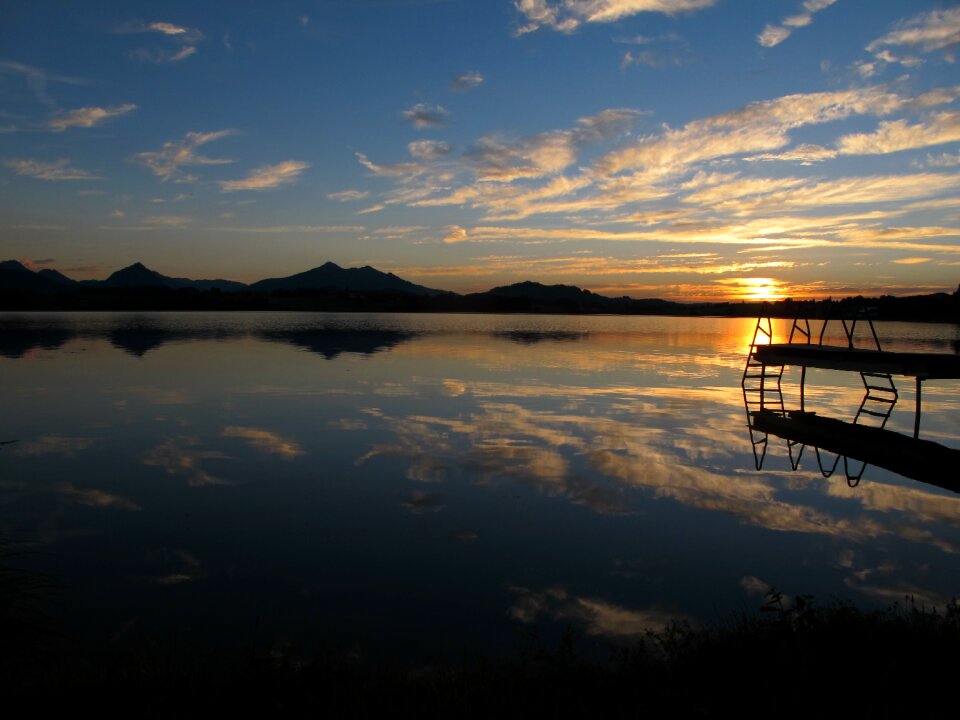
(419, 486)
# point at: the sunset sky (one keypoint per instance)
(684, 149)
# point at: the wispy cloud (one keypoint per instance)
(935, 30)
(422, 116)
(943, 160)
(57, 170)
(175, 154)
(568, 15)
(88, 116)
(428, 149)
(897, 135)
(666, 50)
(267, 177)
(168, 220)
(347, 195)
(926, 32)
(775, 34)
(467, 81)
(183, 39)
(38, 79)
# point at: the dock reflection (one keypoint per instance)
(913, 458)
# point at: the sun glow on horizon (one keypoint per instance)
(756, 289)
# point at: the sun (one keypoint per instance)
(760, 289)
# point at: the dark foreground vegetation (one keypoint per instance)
(791, 658)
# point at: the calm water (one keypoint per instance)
(422, 485)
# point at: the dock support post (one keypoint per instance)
(803, 378)
(916, 417)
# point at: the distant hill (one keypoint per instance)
(56, 276)
(539, 291)
(331, 276)
(535, 297)
(16, 276)
(138, 275)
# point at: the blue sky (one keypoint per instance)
(653, 148)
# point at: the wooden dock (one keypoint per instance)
(923, 366)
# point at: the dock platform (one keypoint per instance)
(924, 366)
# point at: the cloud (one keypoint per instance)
(88, 116)
(400, 170)
(775, 34)
(267, 177)
(185, 40)
(943, 160)
(168, 220)
(701, 175)
(935, 30)
(763, 194)
(467, 81)
(567, 16)
(283, 229)
(670, 50)
(175, 154)
(372, 209)
(425, 116)
(57, 170)
(265, 441)
(495, 158)
(803, 154)
(758, 127)
(897, 135)
(38, 79)
(347, 195)
(428, 149)
(454, 234)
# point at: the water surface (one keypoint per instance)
(427, 485)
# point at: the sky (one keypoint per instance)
(682, 149)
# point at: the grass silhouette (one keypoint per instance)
(790, 658)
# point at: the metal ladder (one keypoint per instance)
(761, 387)
(880, 395)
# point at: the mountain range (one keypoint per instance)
(330, 287)
(327, 277)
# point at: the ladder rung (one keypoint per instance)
(892, 401)
(874, 413)
(876, 375)
(880, 387)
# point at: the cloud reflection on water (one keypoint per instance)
(598, 617)
(681, 454)
(182, 456)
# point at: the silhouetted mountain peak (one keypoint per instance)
(56, 276)
(331, 276)
(14, 275)
(137, 275)
(15, 266)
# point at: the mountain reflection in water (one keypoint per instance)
(433, 482)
